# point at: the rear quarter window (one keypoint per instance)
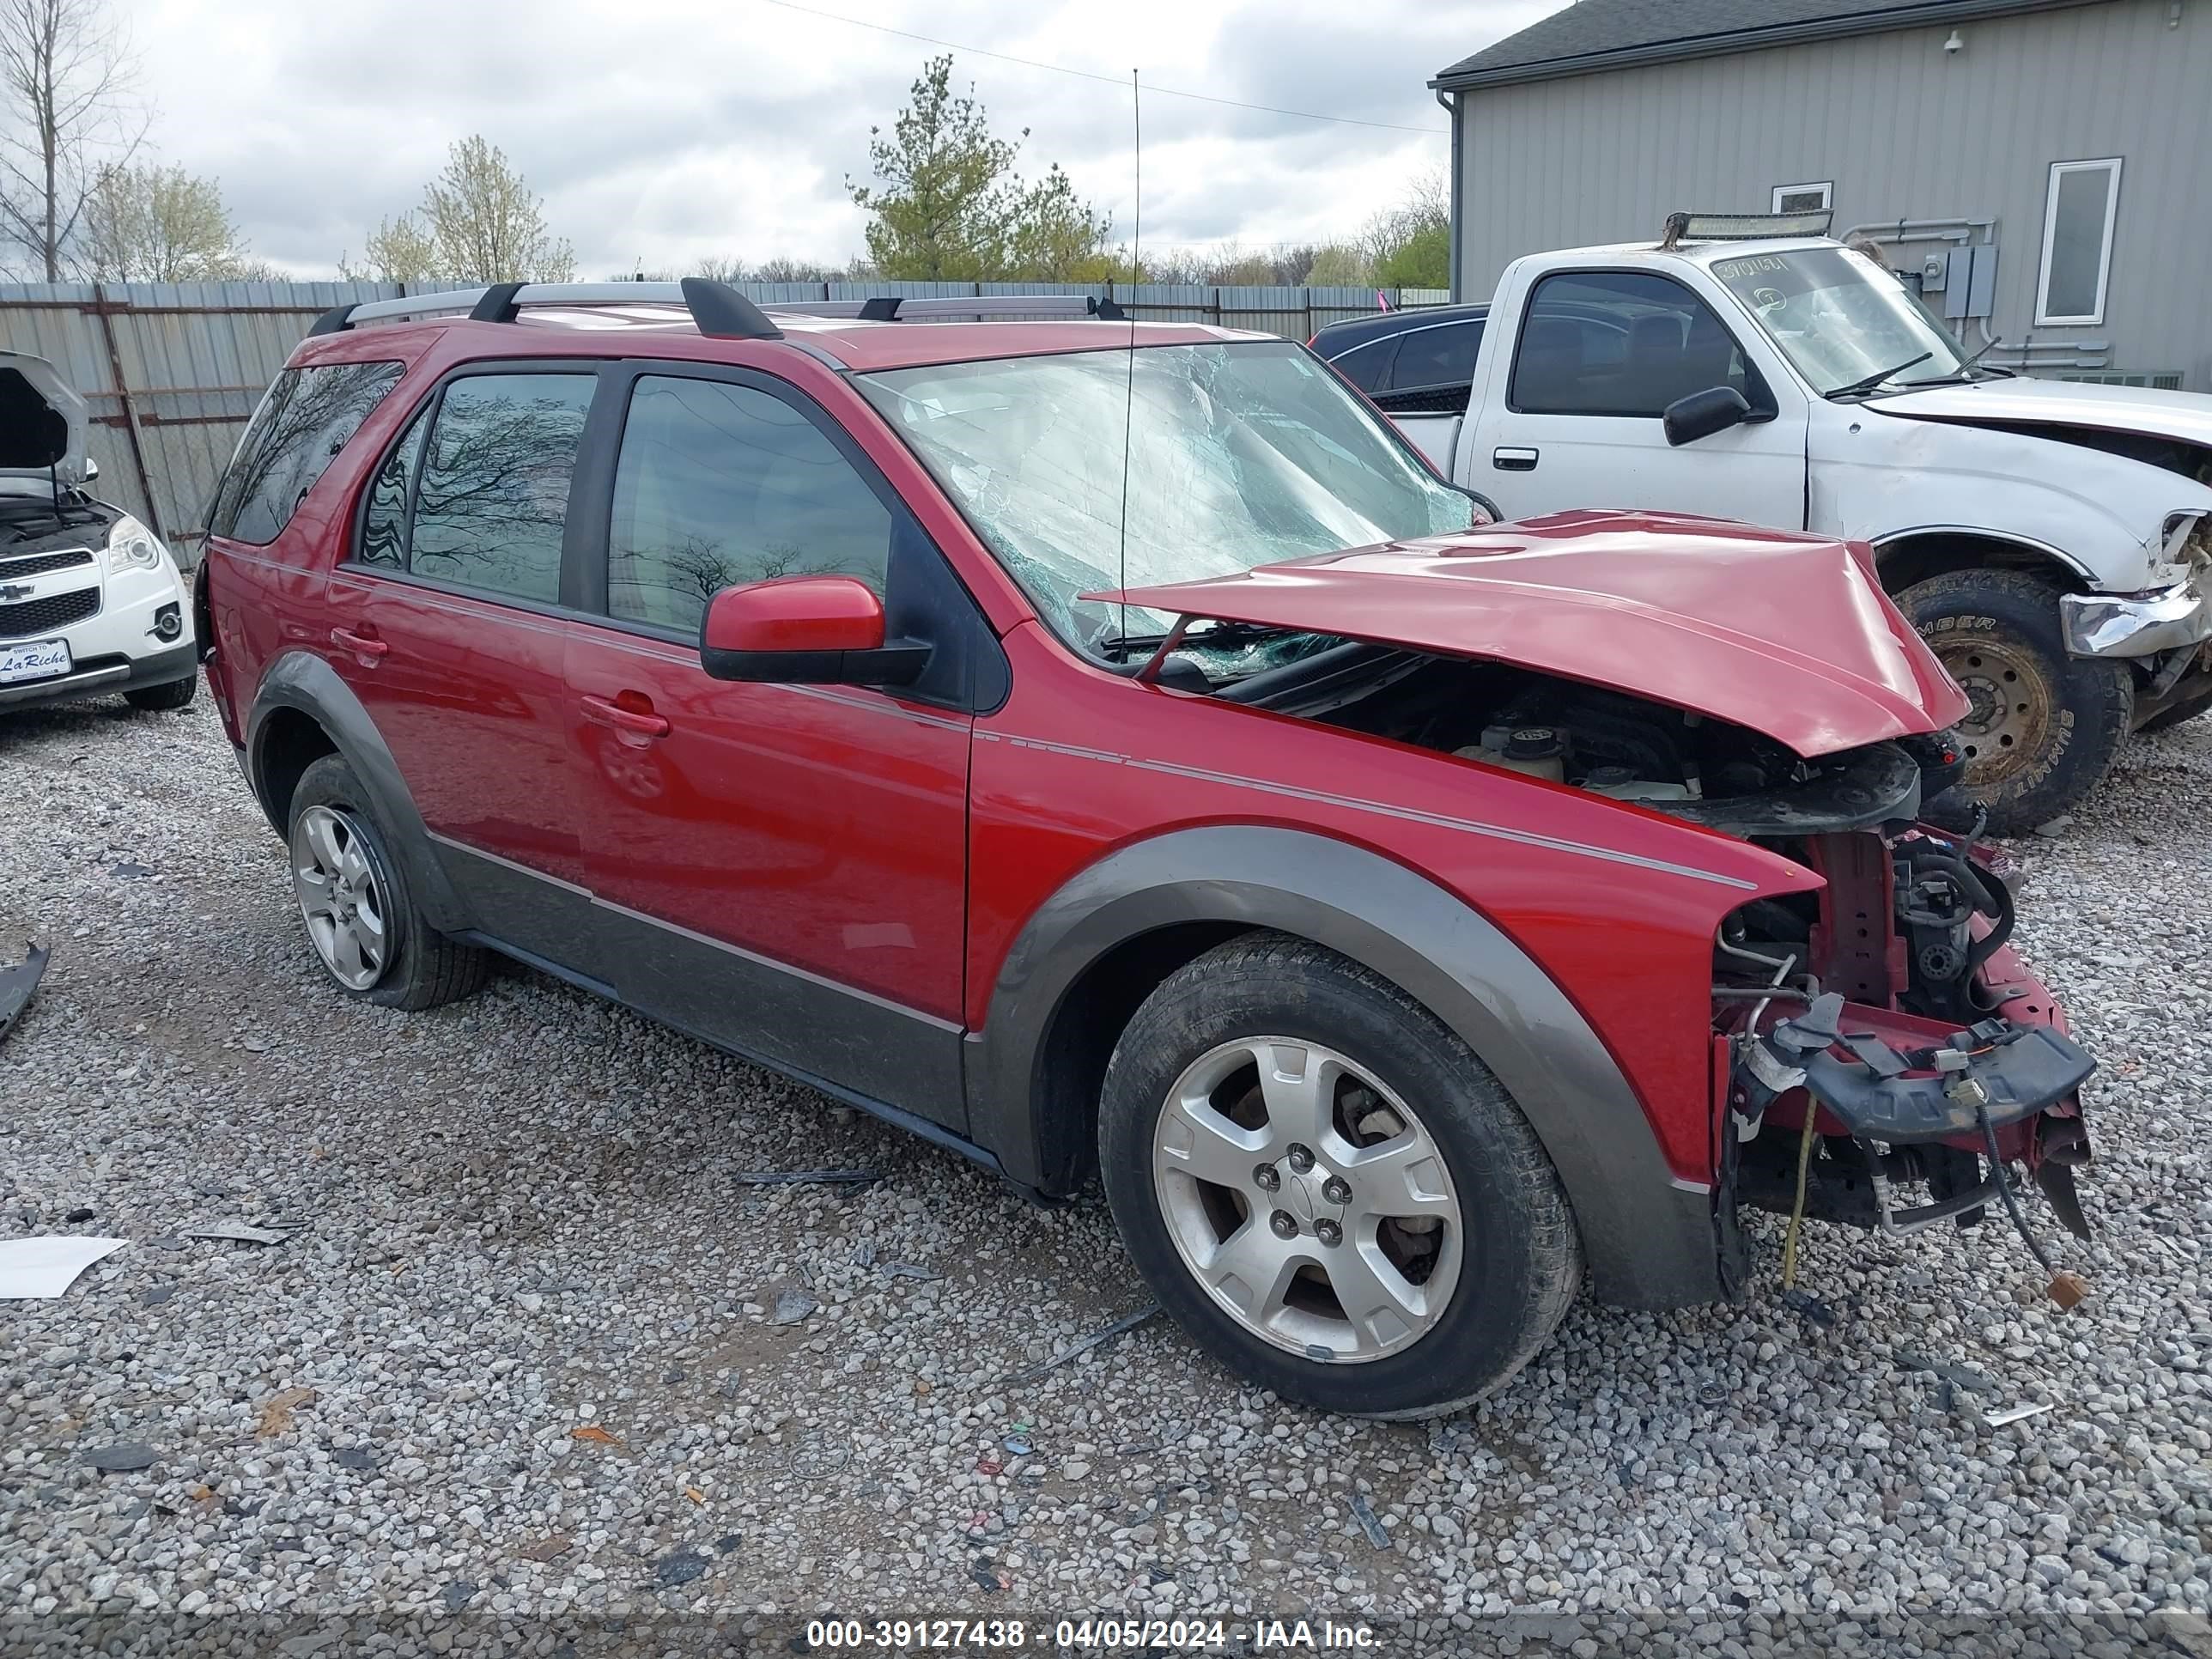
(308, 416)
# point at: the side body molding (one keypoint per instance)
(300, 680)
(1650, 1243)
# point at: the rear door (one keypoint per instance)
(1570, 416)
(782, 869)
(448, 623)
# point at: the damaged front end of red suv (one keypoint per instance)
(1880, 1055)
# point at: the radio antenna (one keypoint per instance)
(1136, 272)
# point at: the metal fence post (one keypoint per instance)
(104, 308)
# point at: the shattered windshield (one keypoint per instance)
(1237, 455)
(1841, 318)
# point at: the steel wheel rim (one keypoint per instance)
(1341, 1150)
(2011, 710)
(341, 896)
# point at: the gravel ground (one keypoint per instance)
(534, 1363)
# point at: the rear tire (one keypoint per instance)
(2046, 726)
(361, 914)
(1454, 1189)
(163, 699)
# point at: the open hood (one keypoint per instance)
(41, 420)
(2186, 415)
(1787, 634)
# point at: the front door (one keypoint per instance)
(1573, 414)
(446, 623)
(779, 869)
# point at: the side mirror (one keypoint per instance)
(1703, 413)
(91, 471)
(818, 631)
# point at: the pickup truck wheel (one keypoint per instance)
(1326, 1188)
(360, 914)
(2045, 727)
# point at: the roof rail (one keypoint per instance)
(897, 309)
(720, 310)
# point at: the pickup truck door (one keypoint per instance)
(1568, 413)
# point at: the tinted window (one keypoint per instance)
(1368, 367)
(1621, 343)
(494, 494)
(306, 419)
(384, 523)
(719, 484)
(1442, 354)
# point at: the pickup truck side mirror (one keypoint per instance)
(815, 630)
(1703, 413)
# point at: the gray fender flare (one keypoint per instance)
(302, 681)
(1649, 1242)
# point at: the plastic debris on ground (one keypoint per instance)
(908, 1270)
(1127, 1322)
(2012, 1414)
(805, 1177)
(593, 1433)
(1809, 1306)
(1369, 1522)
(17, 982)
(122, 1459)
(680, 1568)
(48, 1265)
(238, 1232)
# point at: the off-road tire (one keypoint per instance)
(1522, 1261)
(162, 699)
(425, 968)
(2046, 726)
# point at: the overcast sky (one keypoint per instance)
(664, 131)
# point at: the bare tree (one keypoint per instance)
(67, 73)
(155, 224)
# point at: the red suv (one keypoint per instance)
(1108, 748)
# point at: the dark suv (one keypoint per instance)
(1107, 749)
(1408, 362)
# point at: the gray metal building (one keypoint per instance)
(2043, 168)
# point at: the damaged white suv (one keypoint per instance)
(91, 601)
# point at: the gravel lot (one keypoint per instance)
(565, 1370)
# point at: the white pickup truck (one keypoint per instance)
(2051, 541)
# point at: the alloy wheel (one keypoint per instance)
(341, 895)
(1308, 1198)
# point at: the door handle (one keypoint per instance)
(643, 721)
(367, 647)
(1508, 458)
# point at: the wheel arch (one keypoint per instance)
(303, 711)
(1094, 950)
(1905, 556)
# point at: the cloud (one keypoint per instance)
(665, 131)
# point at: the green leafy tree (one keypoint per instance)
(155, 224)
(1422, 260)
(1409, 246)
(947, 204)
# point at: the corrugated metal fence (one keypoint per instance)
(171, 371)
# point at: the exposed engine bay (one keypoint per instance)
(1872, 1036)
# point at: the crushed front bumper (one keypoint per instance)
(2139, 624)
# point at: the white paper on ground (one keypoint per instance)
(46, 1266)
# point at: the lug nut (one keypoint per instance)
(1284, 1224)
(1335, 1191)
(1329, 1232)
(1301, 1159)
(1267, 1178)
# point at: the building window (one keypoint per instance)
(1803, 198)
(2078, 215)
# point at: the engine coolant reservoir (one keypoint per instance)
(1533, 751)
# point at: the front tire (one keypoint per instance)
(163, 699)
(2046, 726)
(353, 896)
(1326, 1188)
